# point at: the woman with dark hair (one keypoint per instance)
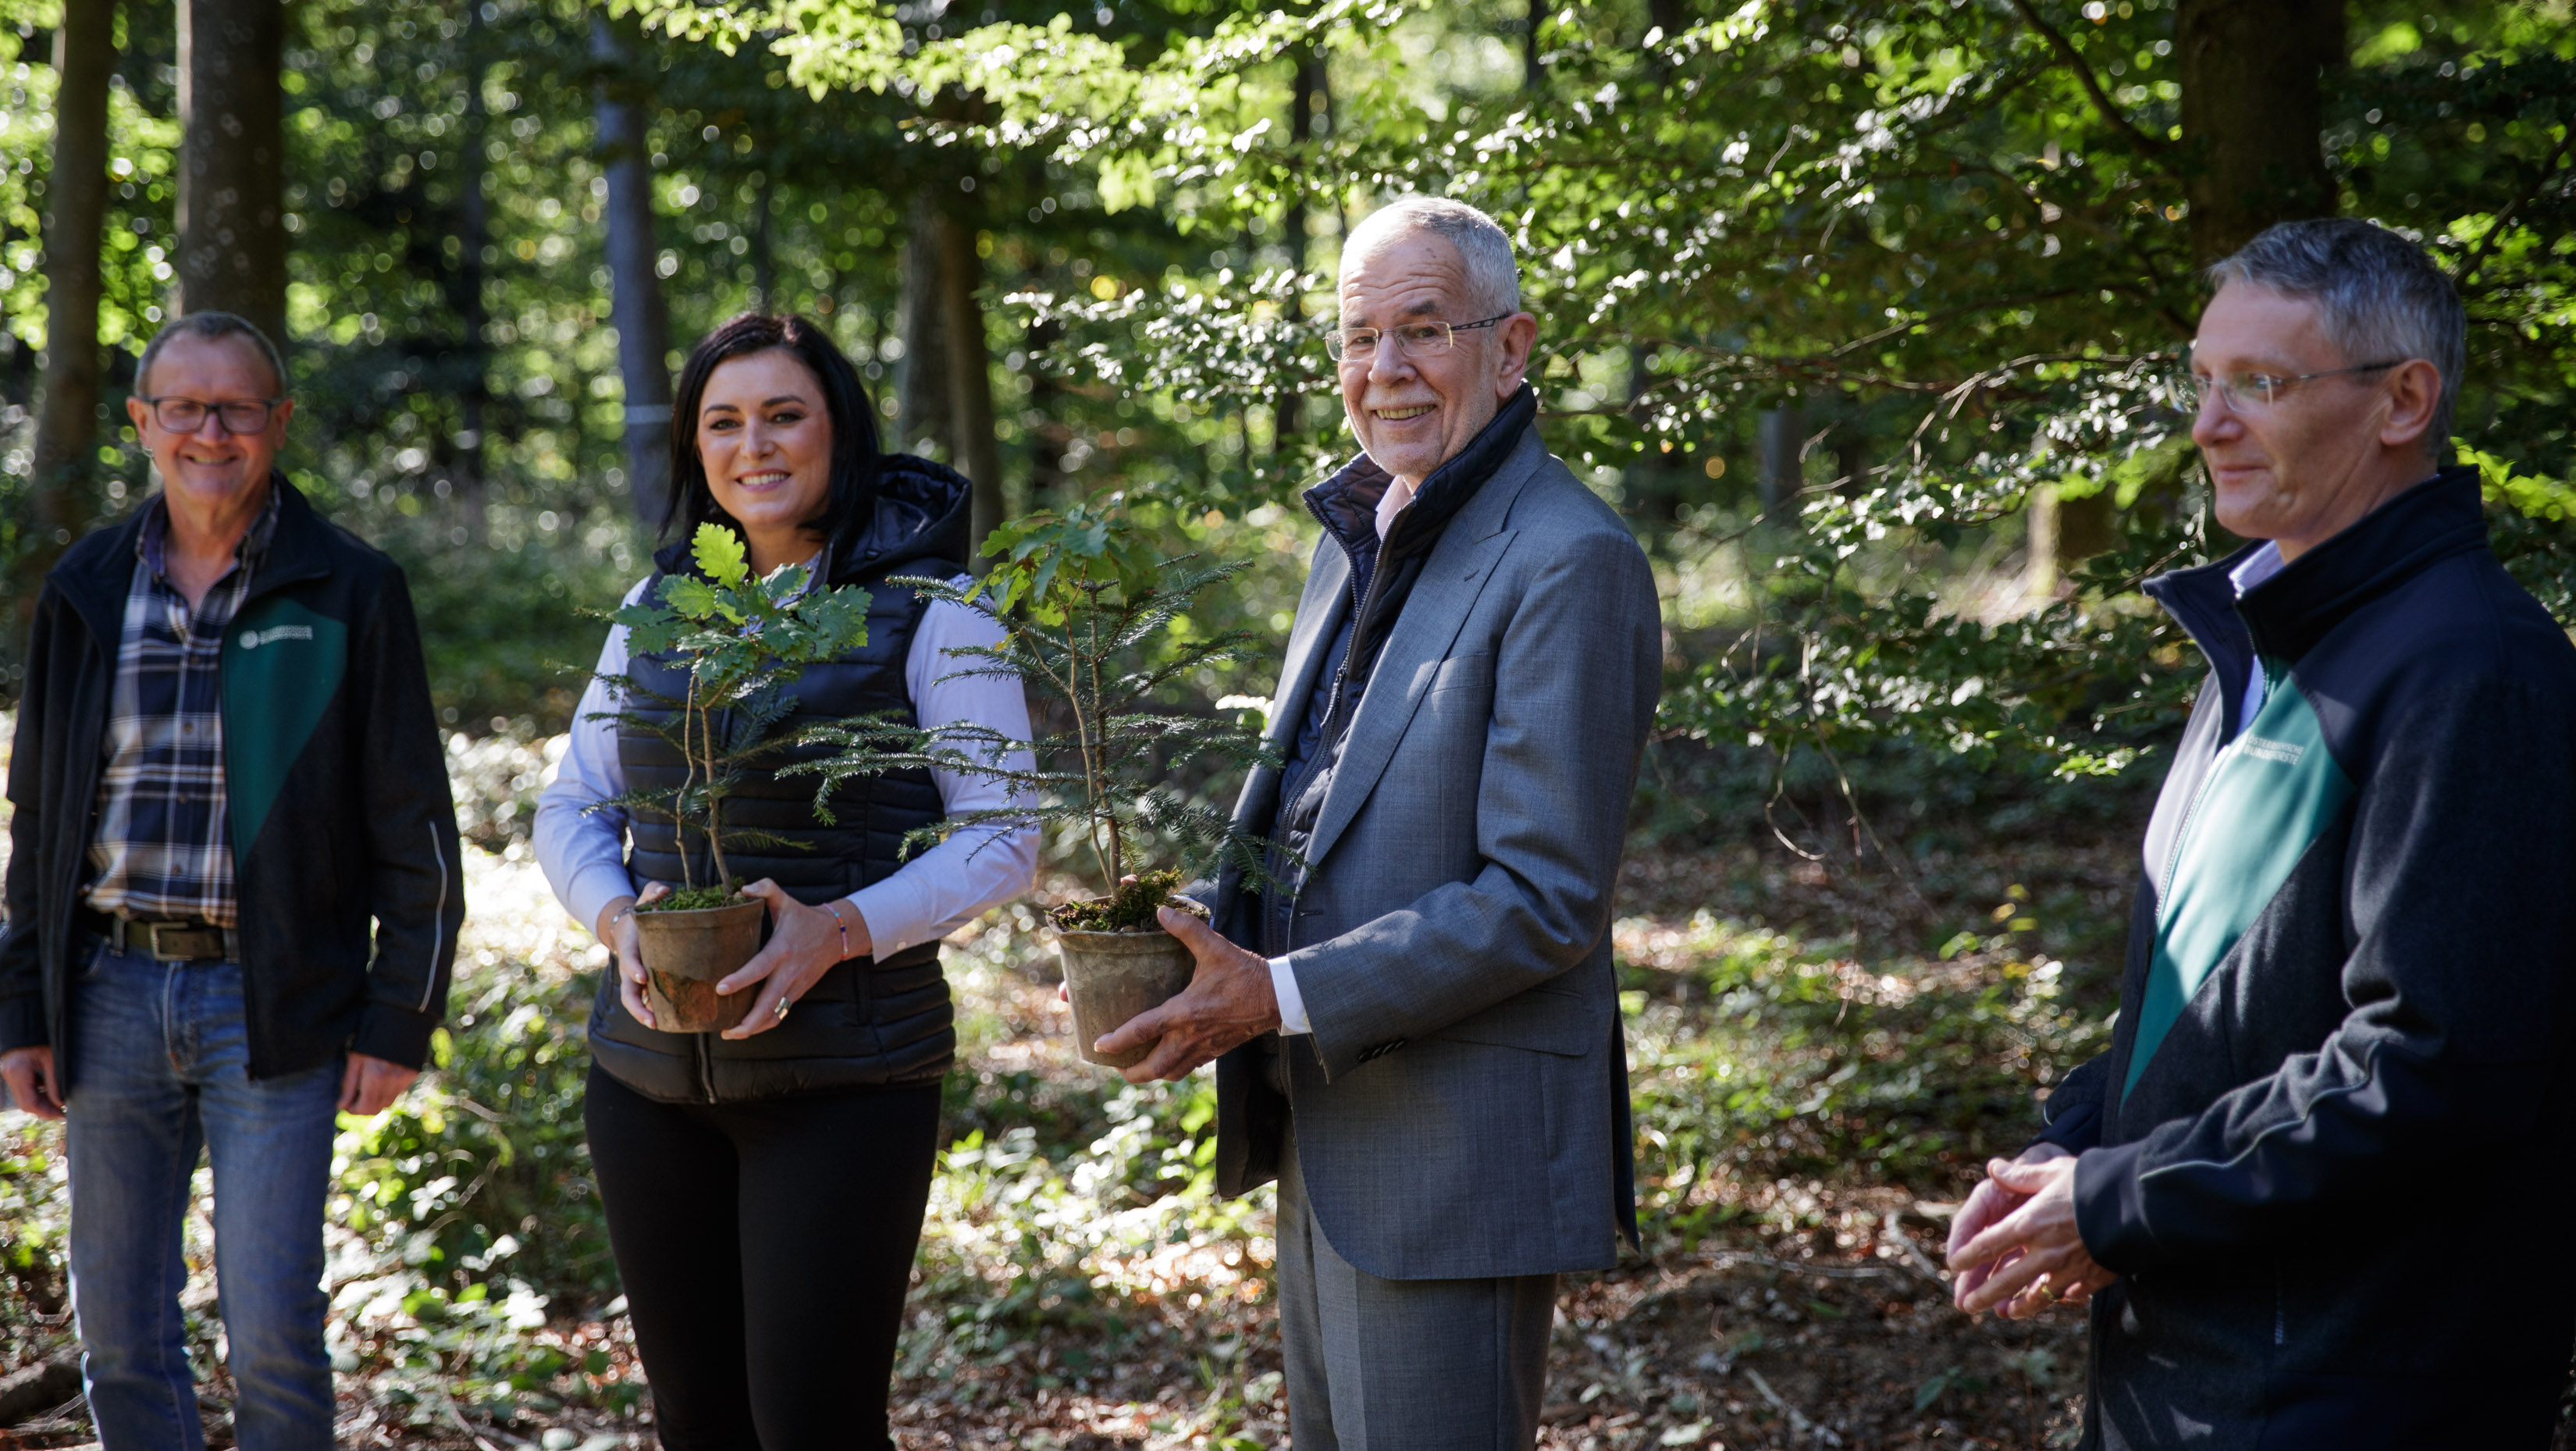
(765, 1185)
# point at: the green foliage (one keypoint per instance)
(1018, 1228)
(743, 641)
(2533, 495)
(1054, 564)
(35, 1263)
(503, 630)
(475, 1228)
(1954, 240)
(1754, 1056)
(1099, 624)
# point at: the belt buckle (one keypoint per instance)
(172, 941)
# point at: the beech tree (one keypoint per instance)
(232, 162)
(641, 317)
(76, 209)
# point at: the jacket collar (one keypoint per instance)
(920, 516)
(1347, 502)
(2287, 614)
(95, 581)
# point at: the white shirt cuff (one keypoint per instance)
(593, 888)
(896, 911)
(1292, 1005)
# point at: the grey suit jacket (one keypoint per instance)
(1461, 1106)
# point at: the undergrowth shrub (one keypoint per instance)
(1755, 1058)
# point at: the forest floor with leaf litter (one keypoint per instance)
(1820, 1060)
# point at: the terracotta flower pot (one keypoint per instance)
(1113, 976)
(687, 953)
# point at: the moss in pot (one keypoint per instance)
(1086, 606)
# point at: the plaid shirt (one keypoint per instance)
(161, 849)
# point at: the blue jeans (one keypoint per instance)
(158, 1071)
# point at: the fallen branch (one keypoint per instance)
(1798, 1421)
(1724, 1258)
(39, 1387)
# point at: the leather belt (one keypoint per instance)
(175, 939)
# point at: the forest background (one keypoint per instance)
(1862, 314)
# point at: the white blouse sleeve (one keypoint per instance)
(949, 885)
(583, 852)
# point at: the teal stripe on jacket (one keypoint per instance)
(2273, 791)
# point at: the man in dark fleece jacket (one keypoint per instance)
(233, 895)
(2342, 1066)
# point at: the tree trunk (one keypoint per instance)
(232, 162)
(970, 373)
(921, 374)
(636, 306)
(1670, 17)
(764, 263)
(1783, 434)
(75, 211)
(1851, 461)
(473, 234)
(2252, 112)
(1655, 481)
(1532, 72)
(1050, 487)
(1290, 409)
(2063, 533)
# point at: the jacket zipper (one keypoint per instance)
(706, 1068)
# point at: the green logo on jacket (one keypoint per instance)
(282, 664)
(2266, 799)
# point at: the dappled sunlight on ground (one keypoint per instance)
(1808, 1103)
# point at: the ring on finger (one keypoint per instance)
(781, 1014)
(2048, 1290)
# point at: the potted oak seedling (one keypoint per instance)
(739, 642)
(1087, 606)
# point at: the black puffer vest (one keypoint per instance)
(865, 1022)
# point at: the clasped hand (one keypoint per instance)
(804, 943)
(2014, 1246)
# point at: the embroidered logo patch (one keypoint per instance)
(253, 639)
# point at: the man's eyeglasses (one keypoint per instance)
(2257, 389)
(1412, 340)
(187, 415)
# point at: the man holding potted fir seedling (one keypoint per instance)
(1416, 1011)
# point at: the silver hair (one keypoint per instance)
(2379, 297)
(212, 325)
(1493, 275)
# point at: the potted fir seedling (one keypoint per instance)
(741, 642)
(1087, 606)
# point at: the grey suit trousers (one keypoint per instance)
(1404, 1365)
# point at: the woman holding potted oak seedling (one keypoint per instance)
(764, 1140)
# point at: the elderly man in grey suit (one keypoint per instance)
(1420, 1026)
